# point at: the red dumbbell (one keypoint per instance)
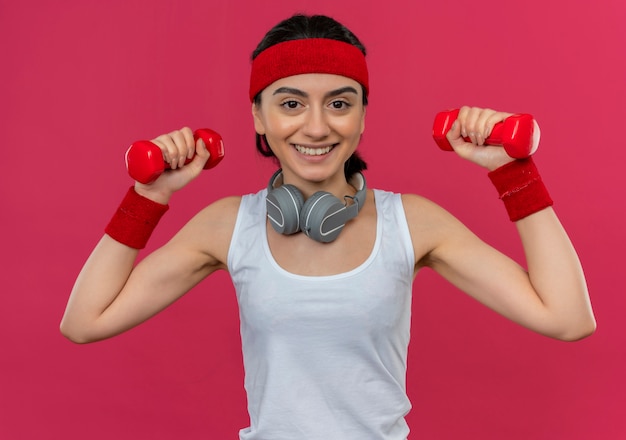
(515, 133)
(144, 160)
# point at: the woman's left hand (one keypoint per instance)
(476, 124)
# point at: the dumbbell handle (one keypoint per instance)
(515, 133)
(144, 159)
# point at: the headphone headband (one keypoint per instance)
(357, 181)
(321, 217)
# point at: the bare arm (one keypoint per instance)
(551, 296)
(111, 295)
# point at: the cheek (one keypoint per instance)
(280, 127)
(352, 126)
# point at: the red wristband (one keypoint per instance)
(135, 220)
(521, 189)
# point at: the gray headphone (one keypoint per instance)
(321, 217)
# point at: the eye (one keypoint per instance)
(340, 105)
(290, 104)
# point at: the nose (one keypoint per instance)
(316, 124)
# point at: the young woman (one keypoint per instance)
(323, 266)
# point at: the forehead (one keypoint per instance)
(312, 83)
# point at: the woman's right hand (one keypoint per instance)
(177, 147)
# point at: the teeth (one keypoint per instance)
(313, 151)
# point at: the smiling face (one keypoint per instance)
(313, 123)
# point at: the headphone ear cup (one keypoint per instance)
(323, 216)
(283, 209)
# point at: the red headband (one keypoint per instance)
(309, 55)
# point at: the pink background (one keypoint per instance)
(82, 79)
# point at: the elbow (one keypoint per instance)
(73, 334)
(580, 331)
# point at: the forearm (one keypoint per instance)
(100, 281)
(556, 274)
(107, 270)
(551, 296)
(554, 270)
(106, 298)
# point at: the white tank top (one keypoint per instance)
(325, 356)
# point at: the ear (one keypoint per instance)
(363, 119)
(259, 126)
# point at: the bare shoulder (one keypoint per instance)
(210, 231)
(225, 209)
(430, 225)
(423, 212)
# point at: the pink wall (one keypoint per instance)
(83, 79)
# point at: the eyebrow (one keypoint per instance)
(298, 92)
